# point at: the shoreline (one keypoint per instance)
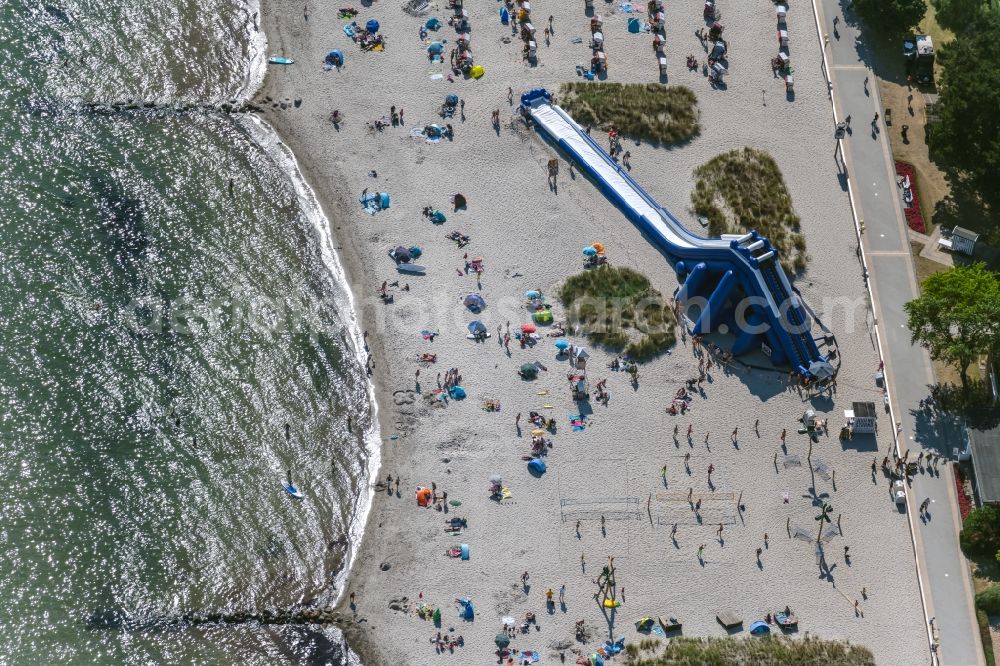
(333, 167)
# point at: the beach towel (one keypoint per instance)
(349, 30)
(530, 657)
(577, 423)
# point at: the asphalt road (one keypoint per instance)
(944, 575)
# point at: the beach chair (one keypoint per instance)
(729, 619)
(783, 38)
(663, 65)
(670, 623)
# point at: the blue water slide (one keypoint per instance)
(736, 274)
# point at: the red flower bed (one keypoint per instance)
(964, 502)
(914, 218)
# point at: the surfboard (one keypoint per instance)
(415, 269)
(292, 490)
(280, 60)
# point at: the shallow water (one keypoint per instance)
(168, 307)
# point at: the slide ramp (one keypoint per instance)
(737, 278)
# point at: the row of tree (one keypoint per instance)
(964, 139)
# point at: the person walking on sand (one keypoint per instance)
(510, 95)
(735, 431)
(517, 420)
(690, 429)
(701, 552)
(711, 468)
(562, 593)
(676, 428)
(765, 540)
(524, 579)
(673, 531)
(718, 532)
(578, 528)
(548, 596)
(782, 435)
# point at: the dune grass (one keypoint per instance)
(652, 112)
(618, 309)
(743, 190)
(767, 651)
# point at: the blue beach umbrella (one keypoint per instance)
(435, 48)
(590, 251)
(474, 302)
(537, 465)
(456, 393)
(562, 344)
(372, 25)
(532, 293)
(477, 327)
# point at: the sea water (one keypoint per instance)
(169, 301)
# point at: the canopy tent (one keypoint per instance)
(542, 317)
(474, 302)
(334, 58)
(456, 393)
(529, 370)
(372, 25)
(477, 327)
(537, 465)
(634, 25)
(465, 610)
(759, 628)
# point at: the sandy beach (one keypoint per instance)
(530, 237)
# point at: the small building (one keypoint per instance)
(961, 240)
(861, 418)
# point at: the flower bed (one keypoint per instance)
(964, 502)
(914, 218)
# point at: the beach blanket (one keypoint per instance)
(420, 133)
(529, 657)
(577, 422)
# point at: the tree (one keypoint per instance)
(964, 139)
(891, 18)
(956, 316)
(981, 531)
(959, 15)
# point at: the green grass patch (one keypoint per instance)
(985, 637)
(743, 190)
(770, 650)
(618, 309)
(666, 115)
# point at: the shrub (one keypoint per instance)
(617, 308)
(988, 600)
(648, 111)
(743, 190)
(981, 532)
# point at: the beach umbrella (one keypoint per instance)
(562, 344)
(589, 251)
(529, 370)
(474, 302)
(759, 628)
(415, 251)
(537, 432)
(457, 393)
(451, 99)
(496, 478)
(537, 465)
(477, 327)
(532, 294)
(432, 23)
(634, 25)
(435, 48)
(372, 25)
(502, 641)
(477, 71)
(437, 217)
(598, 246)
(528, 328)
